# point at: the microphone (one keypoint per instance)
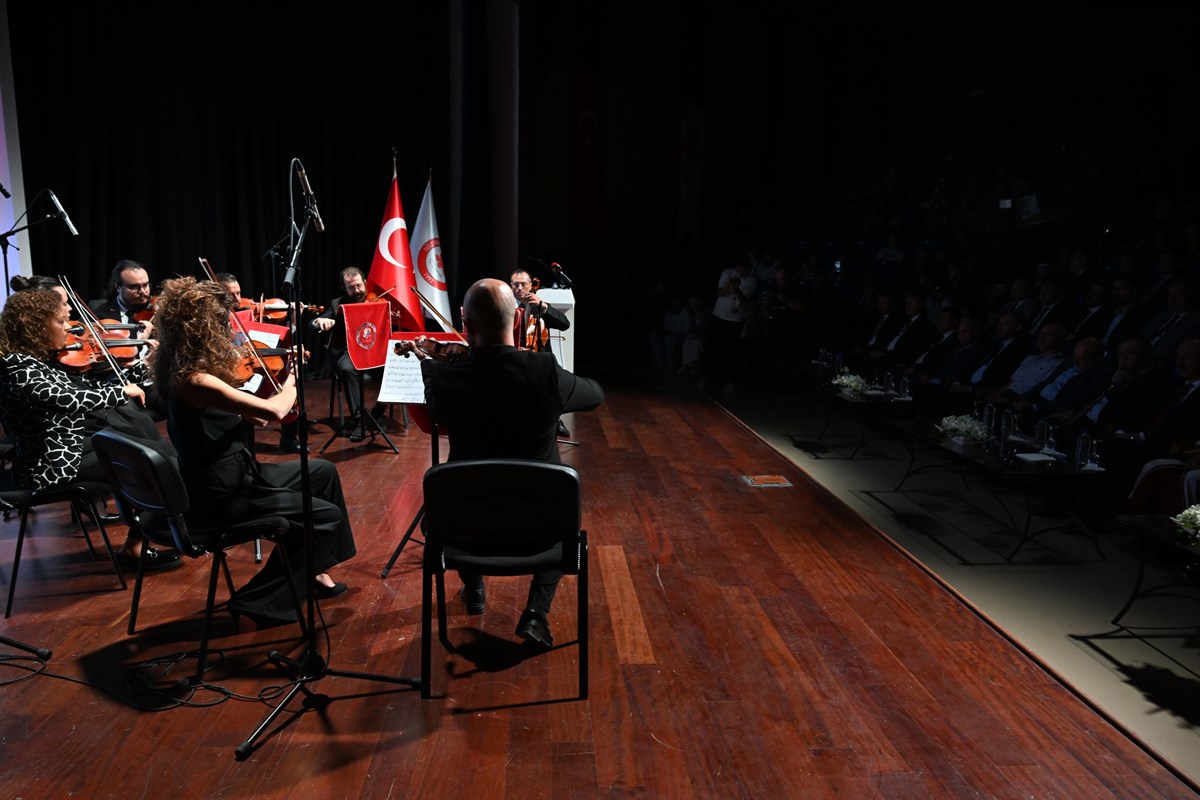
(62, 213)
(4, 191)
(308, 193)
(558, 270)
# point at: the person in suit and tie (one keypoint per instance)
(1128, 315)
(945, 343)
(1096, 316)
(1179, 322)
(128, 294)
(1073, 388)
(1175, 424)
(1054, 307)
(501, 402)
(909, 339)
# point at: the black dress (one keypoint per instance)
(226, 484)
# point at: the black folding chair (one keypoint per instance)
(153, 501)
(465, 531)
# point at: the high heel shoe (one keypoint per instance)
(326, 592)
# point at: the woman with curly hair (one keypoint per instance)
(194, 370)
(44, 407)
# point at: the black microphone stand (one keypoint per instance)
(40, 652)
(8, 234)
(310, 667)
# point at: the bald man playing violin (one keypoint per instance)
(501, 402)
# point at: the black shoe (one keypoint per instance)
(325, 592)
(534, 629)
(357, 435)
(292, 446)
(380, 413)
(110, 519)
(156, 560)
(474, 598)
(562, 430)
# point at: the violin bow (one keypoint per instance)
(438, 315)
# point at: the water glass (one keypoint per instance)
(1041, 435)
(1083, 450)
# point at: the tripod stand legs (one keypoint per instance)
(40, 652)
(412, 527)
(308, 669)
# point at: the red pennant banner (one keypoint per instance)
(368, 326)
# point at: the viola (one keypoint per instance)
(536, 335)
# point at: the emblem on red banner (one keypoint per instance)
(366, 335)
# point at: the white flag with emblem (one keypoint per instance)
(427, 257)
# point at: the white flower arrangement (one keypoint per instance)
(851, 383)
(1189, 521)
(964, 426)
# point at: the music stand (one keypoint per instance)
(310, 667)
(431, 428)
(360, 418)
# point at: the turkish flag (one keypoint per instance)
(391, 275)
(367, 329)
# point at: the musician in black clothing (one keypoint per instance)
(332, 323)
(501, 402)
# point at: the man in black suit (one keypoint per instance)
(909, 340)
(128, 293)
(1096, 315)
(501, 402)
(1128, 315)
(1068, 392)
(1179, 322)
(1054, 308)
(945, 344)
(532, 306)
(1176, 421)
(332, 323)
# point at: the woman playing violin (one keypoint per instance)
(45, 408)
(194, 372)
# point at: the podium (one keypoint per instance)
(562, 343)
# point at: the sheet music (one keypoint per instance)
(402, 382)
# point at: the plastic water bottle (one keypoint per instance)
(989, 419)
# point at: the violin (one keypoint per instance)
(257, 357)
(92, 341)
(144, 314)
(445, 352)
(273, 309)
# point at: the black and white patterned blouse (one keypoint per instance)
(43, 407)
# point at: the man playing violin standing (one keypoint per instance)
(501, 402)
(534, 316)
(333, 323)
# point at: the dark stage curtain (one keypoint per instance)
(167, 131)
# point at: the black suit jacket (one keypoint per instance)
(1002, 366)
(1076, 393)
(1127, 327)
(335, 337)
(501, 402)
(107, 309)
(1091, 323)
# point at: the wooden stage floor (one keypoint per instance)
(754, 642)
